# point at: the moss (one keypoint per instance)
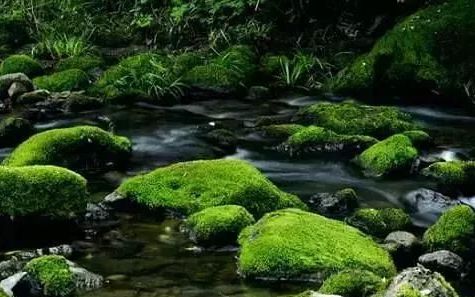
(3, 294)
(193, 186)
(294, 244)
(68, 80)
(356, 119)
(272, 64)
(380, 222)
(408, 291)
(21, 63)
(14, 130)
(84, 63)
(353, 283)
(395, 154)
(41, 190)
(82, 147)
(185, 62)
(54, 275)
(431, 49)
(282, 131)
(419, 139)
(454, 231)
(218, 225)
(454, 175)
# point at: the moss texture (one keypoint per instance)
(41, 190)
(408, 291)
(218, 225)
(81, 147)
(454, 175)
(395, 154)
(356, 119)
(14, 130)
(380, 222)
(68, 80)
(84, 63)
(294, 244)
(353, 283)
(419, 138)
(193, 186)
(21, 64)
(454, 231)
(282, 131)
(54, 275)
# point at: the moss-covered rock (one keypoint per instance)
(21, 64)
(454, 231)
(186, 61)
(294, 244)
(356, 119)
(380, 222)
(353, 283)
(193, 186)
(218, 225)
(454, 176)
(84, 63)
(41, 190)
(432, 49)
(82, 147)
(281, 131)
(14, 130)
(68, 80)
(395, 154)
(419, 138)
(53, 274)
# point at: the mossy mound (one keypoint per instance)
(356, 119)
(419, 138)
(14, 130)
(294, 244)
(41, 190)
(193, 186)
(218, 225)
(380, 222)
(82, 147)
(454, 176)
(432, 49)
(53, 274)
(84, 63)
(282, 131)
(353, 283)
(187, 61)
(68, 80)
(395, 154)
(21, 64)
(454, 231)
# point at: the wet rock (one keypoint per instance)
(273, 120)
(446, 262)
(98, 216)
(33, 97)
(336, 204)
(10, 267)
(223, 139)
(10, 283)
(78, 101)
(119, 246)
(17, 89)
(7, 80)
(403, 246)
(420, 282)
(64, 250)
(258, 93)
(84, 279)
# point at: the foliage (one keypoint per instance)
(380, 222)
(21, 64)
(84, 63)
(68, 80)
(61, 47)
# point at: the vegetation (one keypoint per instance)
(84, 63)
(380, 222)
(68, 80)
(455, 175)
(21, 64)
(354, 283)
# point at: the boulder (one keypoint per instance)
(403, 246)
(336, 204)
(447, 263)
(353, 283)
(21, 64)
(7, 80)
(14, 130)
(454, 176)
(380, 222)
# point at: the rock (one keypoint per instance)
(11, 283)
(10, 267)
(380, 222)
(14, 130)
(258, 93)
(336, 204)
(454, 176)
(78, 101)
(64, 250)
(223, 139)
(403, 246)
(419, 281)
(33, 97)
(21, 64)
(17, 89)
(281, 131)
(354, 283)
(7, 80)
(447, 263)
(293, 244)
(84, 279)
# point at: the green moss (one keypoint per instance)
(431, 49)
(185, 62)
(272, 64)
(293, 244)
(81, 147)
(356, 119)
(353, 283)
(14, 130)
(380, 222)
(454, 231)
(84, 63)
(53, 274)
(3, 294)
(21, 63)
(282, 131)
(218, 225)
(41, 190)
(408, 291)
(68, 80)
(395, 154)
(455, 175)
(419, 139)
(193, 186)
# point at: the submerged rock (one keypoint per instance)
(223, 139)
(449, 264)
(336, 204)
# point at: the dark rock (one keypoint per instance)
(7, 80)
(33, 97)
(98, 216)
(403, 246)
(84, 279)
(223, 139)
(77, 101)
(448, 263)
(10, 267)
(336, 204)
(258, 93)
(64, 250)
(17, 89)
(13, 131)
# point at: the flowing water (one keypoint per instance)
(157, 260)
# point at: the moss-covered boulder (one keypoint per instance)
(356, 119)
(14, 130)
(432, 49)
(68, 80)
(281, 131)
(82, 148)
(218, 225)
(84, 63)
(419, 138)
(294, 244)
(454, 231)
(394, 155)
(53, 275)
(21, 64)
(380, 222)
(193, 186)
(454, 176)
(353, 283)
(41, 190)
